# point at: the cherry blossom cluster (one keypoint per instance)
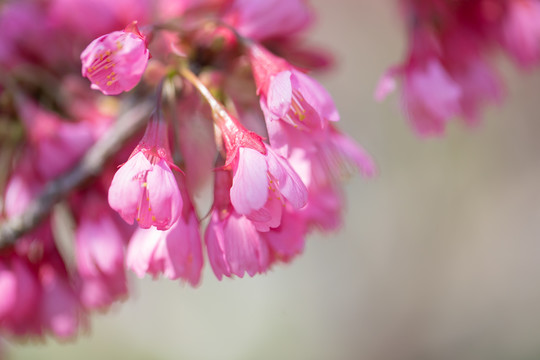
(447, 71)
(236, 114)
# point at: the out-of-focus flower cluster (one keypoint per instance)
(234, 107)
(447, 70)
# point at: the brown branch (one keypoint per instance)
(90, 165)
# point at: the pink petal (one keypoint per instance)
(8, 289)
(430, 98)
(288, 182)
(60, 308)
(165, 201)
(250, 181)
(288, 239)
(386, 85)
(272, 211)
(115, 62)
(99, 247)
(127, 187)
(315, 95)
(175, 253)
(215, 246)
(244, 249)
(280, 94)
(141, 250)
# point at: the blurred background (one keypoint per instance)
(438, 258)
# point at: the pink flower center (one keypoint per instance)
(296, 112)
(102, 67)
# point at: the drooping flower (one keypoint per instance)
(233, 243)
(288, 94)
(262, 179)
(235, 246)
(447, 72)
(144, 188)
(262, 183)
(429, 110)
(330, 158)
(479, 85)
(115, 62)
(175, 253)
(288, 239)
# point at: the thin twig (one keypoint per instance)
(90, 165)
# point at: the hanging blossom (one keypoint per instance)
(144, 188)
(175, 252)
(262, 180)
(236, 103)
(115, 62)
(288, 97)
(447, 71)
(234, 245)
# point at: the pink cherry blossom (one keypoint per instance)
(144, 188)
(521, 31)
(175, 253)
(232, 241)
(479, 85)
(115, 62)
(260, 20)
(288, 239)
(325, 208)
(235, 246)
(331, 157)
(146, 192)
(429, 110)
(339, 156)
(288, 94)
(262, 179)
(259, 180)
(447, 72)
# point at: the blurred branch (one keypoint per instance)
(90, 165)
